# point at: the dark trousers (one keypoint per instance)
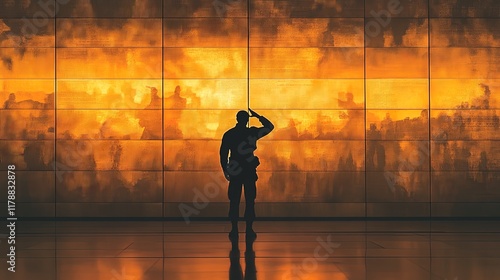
(234, 194)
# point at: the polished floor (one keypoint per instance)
(283, 250)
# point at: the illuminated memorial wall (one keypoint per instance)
(382, 108)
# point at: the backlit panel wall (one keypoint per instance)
(27, 118)
(397, 115)
(464, 131)
(383, 108)
(205, 71)
(313, 163)
(109, 111)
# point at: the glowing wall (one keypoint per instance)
(382, 108)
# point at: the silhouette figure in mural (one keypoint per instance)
(152, 127)
(34, 154)
(235, 270)
(483, 169)
(174, 106)
(11, 102)
(355, 117)
(241, 167)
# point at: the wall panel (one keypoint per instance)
(381, 108)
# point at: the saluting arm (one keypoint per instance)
(268, 126)
(266, 123)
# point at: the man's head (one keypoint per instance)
(177, 90)
(242, 117)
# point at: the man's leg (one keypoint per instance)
(250, 195)
(234, 195)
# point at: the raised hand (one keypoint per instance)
(253, 113)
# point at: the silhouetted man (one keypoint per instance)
(241, 167)
(152, 128)
(176, 103)
(11, 102)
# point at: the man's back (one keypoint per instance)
(241, 141)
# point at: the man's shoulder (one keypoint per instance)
(237, 132)
(229, 132)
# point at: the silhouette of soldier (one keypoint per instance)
(174, 106)
(176, 101)
(241, 167)
(373, 143)
(155, 103)
(355, 117)
(11, 102)
(152, 127)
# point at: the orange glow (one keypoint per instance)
(342, 103)
(126, 268)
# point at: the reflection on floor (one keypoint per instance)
(283, 250)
